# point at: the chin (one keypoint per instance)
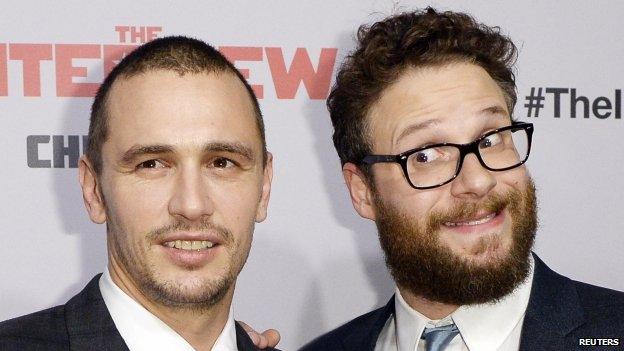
(198, 292)
(489, 249)
(194, 279)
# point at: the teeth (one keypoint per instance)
(475, 222)
(189, 244)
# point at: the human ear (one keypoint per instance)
(267, 178)
(360, 190)
(91, 194)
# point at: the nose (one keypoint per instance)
(190, 198)
(473, 180)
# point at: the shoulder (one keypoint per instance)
(596, 296)
(595, 308)
(40, 330)
(601, 305)
(50, 329)
(359, 331)
(597, 303)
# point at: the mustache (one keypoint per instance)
(181, 225)
(462, 210)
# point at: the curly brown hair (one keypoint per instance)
(410, 40)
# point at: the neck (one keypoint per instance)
(428, 308)
(199, 327)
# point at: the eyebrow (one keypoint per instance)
(494, 109)
(137, 151)
(417, 126)
(231, 147)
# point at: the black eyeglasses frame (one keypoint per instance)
(464, 149)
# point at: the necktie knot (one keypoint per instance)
(439, 337)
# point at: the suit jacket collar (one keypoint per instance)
(554, 310)
(90, 326)
(365, 338)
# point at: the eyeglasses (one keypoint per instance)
(435, 165)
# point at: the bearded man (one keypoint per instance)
(422, 116)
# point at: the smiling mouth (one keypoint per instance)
(473, 222)
(190, 245)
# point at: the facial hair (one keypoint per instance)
(419, 262)
(197, 295)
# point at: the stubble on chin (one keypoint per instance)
(138, 259)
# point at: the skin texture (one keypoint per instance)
(183, 160)
(456, 102)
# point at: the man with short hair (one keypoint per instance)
(422, 116)
(177, 168)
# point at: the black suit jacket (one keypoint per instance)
(560, 313)
(83, 323)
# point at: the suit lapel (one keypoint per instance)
(553, 312)
(365, 337)
(89, 324)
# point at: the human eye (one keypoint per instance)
(222, 162)
(150, 164)
(490, 141)
(430, 155)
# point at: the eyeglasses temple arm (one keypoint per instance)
(370, 159)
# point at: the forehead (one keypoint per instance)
(450, 97)
(181, 110)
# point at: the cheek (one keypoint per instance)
(235, 209)
(516, 178)
(413, 203)
(390, 177)
(235, 203)
(138, 206)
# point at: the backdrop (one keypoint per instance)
(314, 262)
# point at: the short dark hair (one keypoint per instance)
(410, 40)
(174, 53)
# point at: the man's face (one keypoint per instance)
(182, 184)
(467, 241)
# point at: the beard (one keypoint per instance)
(420, 263)
(198, 294)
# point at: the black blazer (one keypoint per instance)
(83, 323)
(560, 313)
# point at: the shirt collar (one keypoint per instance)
(483, 326)
(410, 324)
(143, 331)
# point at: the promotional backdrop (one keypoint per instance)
(314, 263)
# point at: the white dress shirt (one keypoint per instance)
(484, 327)
(143, 331)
